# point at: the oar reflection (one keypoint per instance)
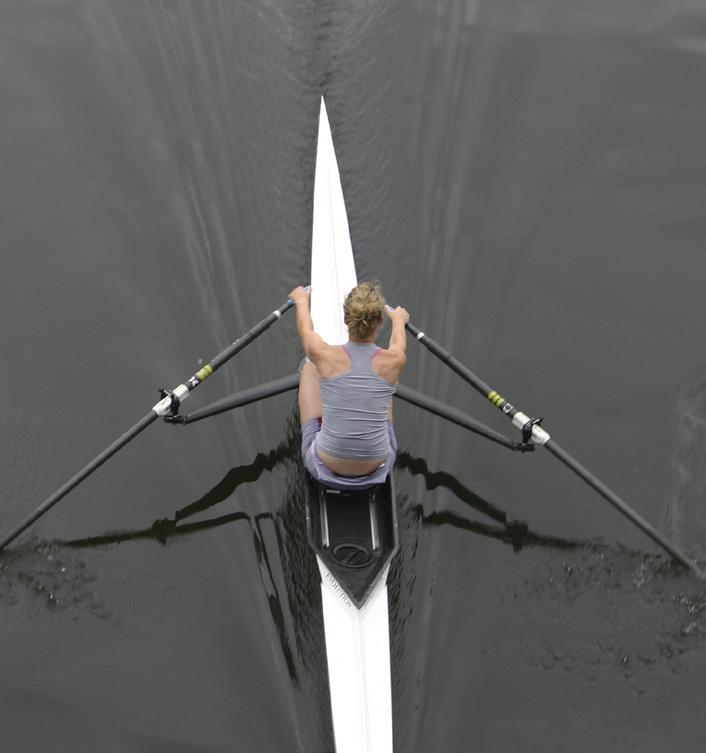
(516, 533)
(165, 529)
(511, 532)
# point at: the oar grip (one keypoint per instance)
(290, 302)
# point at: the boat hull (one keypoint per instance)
(355, 536)
(354, 605)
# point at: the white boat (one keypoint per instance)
(354, 534)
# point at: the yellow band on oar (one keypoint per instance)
(204, 373)
(497, 400)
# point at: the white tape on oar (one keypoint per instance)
(165, 406)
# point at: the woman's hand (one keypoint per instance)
(398, 313)
(300, 295)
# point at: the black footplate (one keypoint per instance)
(354, 533)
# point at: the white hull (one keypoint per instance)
(332, 267)
(358, 653)
(357, 640)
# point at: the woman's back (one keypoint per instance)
(345, 392)
(356, 408)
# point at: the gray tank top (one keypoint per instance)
(354, 424)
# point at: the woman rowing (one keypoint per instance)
(345, 392)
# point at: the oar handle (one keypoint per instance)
(307, 289)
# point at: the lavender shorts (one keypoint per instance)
(321, 472)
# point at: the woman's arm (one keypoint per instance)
(313, 344)
(395, 357)
(398, 339)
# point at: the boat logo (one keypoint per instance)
(352, 555)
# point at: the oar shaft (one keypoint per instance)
(455, 416)
(227, 353)
(621, 505)
(541, 437)
(239, 399)
(74, 481)
(453, 363)
(519, 419)
(164, 407)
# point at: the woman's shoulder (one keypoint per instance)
(334, 362)
(389, 363)
(390, 355)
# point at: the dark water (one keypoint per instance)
(527, 178)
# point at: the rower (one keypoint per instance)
(345, 391)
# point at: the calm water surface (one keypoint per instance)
(527, 178)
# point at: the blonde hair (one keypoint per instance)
(364, 309)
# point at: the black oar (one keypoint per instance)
(457, 417)
(533, 431)
(278, 386)
(245, 397)
(168, 405)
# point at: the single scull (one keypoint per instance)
(354, 534)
